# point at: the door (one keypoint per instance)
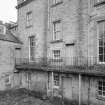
(17, 55)
(70, 55)
(67, 88)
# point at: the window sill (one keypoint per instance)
(56, 87)
(101, 63)
(29, 26)
(69, 44)
(99, 4)
(56, 41)
(7, 84)
(57, 60)
(100, 98)
(54, 5)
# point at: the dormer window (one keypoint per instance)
(99, 2)
(2, 29)
(21, 1)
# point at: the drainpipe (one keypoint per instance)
(79, 89)
(52, 81)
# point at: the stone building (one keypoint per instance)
(63, 49)
(76, 46)
(8, 45)
(32, 29)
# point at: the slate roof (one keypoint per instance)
(10, 37)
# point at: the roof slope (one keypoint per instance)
(10, 37)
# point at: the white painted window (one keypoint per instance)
(101, 88)
(56, 79)
(28, 76)
(2, 29)
(56, 54)
(101, 32)
(7, 79)
(32, 47)
(29, 19)
(57, 29)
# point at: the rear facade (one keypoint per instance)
(63, 51)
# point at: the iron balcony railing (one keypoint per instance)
(27, 61)
(64, 61)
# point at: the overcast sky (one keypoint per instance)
(8, 11)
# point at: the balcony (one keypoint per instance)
(88, 65)
(27, 64)
(73, 62)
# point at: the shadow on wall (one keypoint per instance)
(38, 86)
(6, 81)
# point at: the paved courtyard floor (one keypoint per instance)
(20, 97)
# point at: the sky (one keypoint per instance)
(8, 11)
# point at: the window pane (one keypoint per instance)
(101, 58)
(104, 83)
(101, 50)
(104, 42)
(100, 88)
(57, 30)
(58, 34)
(56, 79)
(99, 83)
(103, 88)
(56, 53)
(104, 58)
(58, 26)
(101, 27)
(103, 93)
(100, 92)
(104, 34)
(7, 80)
(101, 30)
(100, 42)
(32, 47)
(29, 18)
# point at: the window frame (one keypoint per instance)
(57, 33)
(56, 80)
(7, 79)
(32, 44)
(55, 55)
(29, 17)
(28, 77)
(102, 39)
(101, 90)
